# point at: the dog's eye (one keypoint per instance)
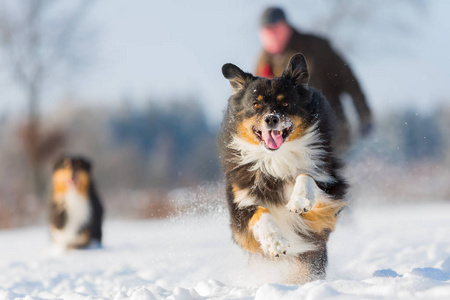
(256, 105)
(284, 104)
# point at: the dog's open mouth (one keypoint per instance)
(273, 139)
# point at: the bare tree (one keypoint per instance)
(40, 41)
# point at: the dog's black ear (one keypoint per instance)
(236, 76)
(297, 70)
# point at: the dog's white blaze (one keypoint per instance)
(293, 158)
(78, 214)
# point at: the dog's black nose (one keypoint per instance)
(272, 120)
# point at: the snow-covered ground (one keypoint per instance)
(194, 258)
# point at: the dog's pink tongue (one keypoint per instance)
(272, 138)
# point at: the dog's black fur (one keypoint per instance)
(254, 98)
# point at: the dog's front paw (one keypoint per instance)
(303, 196)
(274, 244)
(267, 233)
(300, 204)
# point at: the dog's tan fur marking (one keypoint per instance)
(62, 176)
(260, 98)
(323, 215)
(238, 193)
(235, 188)
(280, 97)
(298, 128)
(245, 131)
(258, 213)
(247, 241)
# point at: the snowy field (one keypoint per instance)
(194, 258)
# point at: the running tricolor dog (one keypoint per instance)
(76, 212)
(283, 182)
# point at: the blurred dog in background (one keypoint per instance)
(76, 212)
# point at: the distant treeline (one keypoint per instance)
(409, 136)
(141, 154)
(174, 141)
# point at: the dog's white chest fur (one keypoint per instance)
(293, 158)
(78, 214)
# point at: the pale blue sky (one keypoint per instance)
(177, 48)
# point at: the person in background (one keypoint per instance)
(328, 71)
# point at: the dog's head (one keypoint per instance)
(270, 112)
(71, 172)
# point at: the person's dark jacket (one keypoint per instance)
(328, 73)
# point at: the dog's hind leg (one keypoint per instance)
(298, 273)
(315, 262)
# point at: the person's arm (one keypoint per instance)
(351, 86)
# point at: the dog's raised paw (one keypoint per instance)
(274, 245)
(300, 204)
(303, 196)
